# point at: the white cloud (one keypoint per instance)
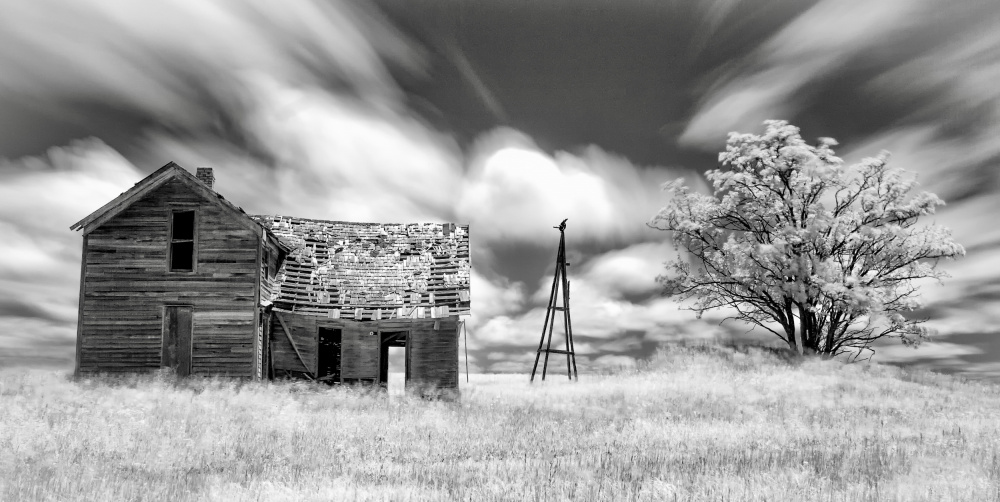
(492, 298)
(515, 192)
(338, 158)
(506, 330)
(522, 193)
(629, 271)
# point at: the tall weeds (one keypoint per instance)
(693, 423)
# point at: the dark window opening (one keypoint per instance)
(182, 255)
(329, 355)
(184, 225)
(182, 241)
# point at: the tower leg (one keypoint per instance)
(538, 353)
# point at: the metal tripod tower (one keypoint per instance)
(550, 315)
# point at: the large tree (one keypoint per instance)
(825, 256)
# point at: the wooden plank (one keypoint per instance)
(434, 354)
(80, 308)
(256, 359)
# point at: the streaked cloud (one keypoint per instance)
(164, 59)
(819, 43)
(40, 197)
(514, 191)
(334, 157)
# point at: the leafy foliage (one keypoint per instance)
(824, 256)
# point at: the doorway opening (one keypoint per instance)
(394, 365)
(328, 355)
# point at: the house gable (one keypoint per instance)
(130, 288)
(157, 179)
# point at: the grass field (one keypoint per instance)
(708, 423)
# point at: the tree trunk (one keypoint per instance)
(794, 343)
(794, 338)
(802, 332)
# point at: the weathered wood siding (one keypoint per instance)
(127, 285)
(433, 352)
(359, 352)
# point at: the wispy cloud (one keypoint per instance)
(337, 158)
(815, 45)
(163, 59)
(39, 258)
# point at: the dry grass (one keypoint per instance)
(696, 424)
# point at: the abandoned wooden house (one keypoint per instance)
(174, 275)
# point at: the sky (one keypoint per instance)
(508, 116)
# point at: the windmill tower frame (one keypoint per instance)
(559, 281)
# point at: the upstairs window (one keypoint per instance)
(182, 241)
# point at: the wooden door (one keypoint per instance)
(359, 355)
(177, 327)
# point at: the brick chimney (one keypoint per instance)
(206, 176)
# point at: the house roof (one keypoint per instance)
(331, 266)
(335, 266)
(158, 178)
